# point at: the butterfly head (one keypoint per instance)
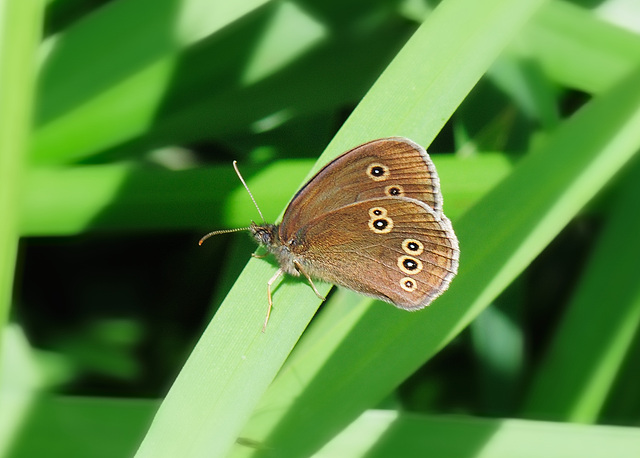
(265, 234)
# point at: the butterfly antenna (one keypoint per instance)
(224, 231)
(235, 166)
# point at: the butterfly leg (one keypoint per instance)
(269, 283)
(301, 270)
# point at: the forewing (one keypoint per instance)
(387, 167)
(395, 249)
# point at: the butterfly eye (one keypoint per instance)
(412, 246)
(394, 191)
(409, 265)
(408, 284)
(378, 172)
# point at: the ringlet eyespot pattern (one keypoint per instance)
(371, 220)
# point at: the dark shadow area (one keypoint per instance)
(122, 312)
(61, 14)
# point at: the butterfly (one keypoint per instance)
(371, 220)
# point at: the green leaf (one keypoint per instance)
(20, 24)
(579, 50)
(85, 108)
(69, 426)
(20, 378)
(381, 434)
(169, 84)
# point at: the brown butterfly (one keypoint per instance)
(371, 220)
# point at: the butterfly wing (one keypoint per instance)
(389, 167)
(396, 249)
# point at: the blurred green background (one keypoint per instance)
(119, 121)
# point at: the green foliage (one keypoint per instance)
(139, 108)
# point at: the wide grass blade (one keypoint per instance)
(20, 25)
(67, 426)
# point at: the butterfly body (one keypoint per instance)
(372, 221)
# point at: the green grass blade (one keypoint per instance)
(623, 402)
(20, 378)
(381, 434)
(578, 49)
(161, 88)
(20, 24)
(599, 327)
(120, 196)
(341, 376)
(61, 426)
(234, 362)
(88, 103)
